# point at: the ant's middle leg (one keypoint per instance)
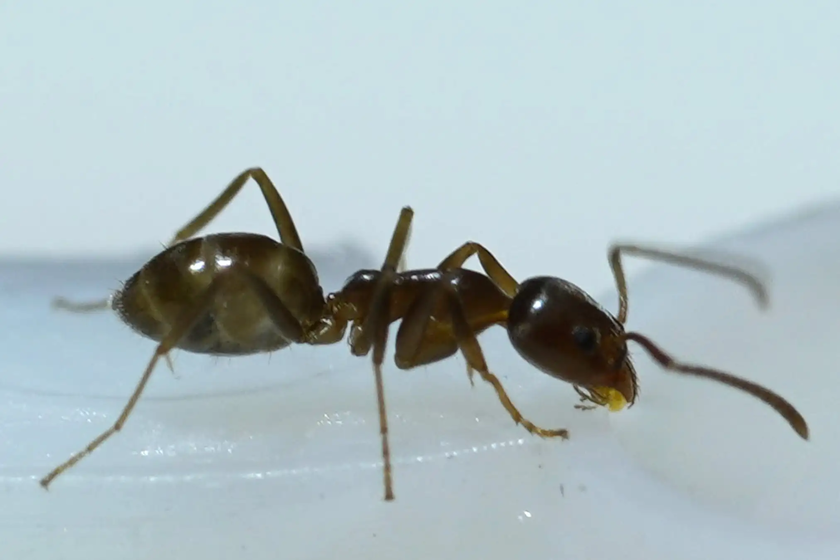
(475, 359)
(374, 331)
(279, 211)
(417, 346)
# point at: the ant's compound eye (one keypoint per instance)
(586, 338)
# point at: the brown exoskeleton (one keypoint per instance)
(233, 294)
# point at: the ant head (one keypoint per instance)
(562, 331)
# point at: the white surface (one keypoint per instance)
(256, 459)
(544, 133)
(753, 465)
(652, 120)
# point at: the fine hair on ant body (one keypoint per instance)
(239, 293)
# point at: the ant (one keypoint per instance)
(239, 293)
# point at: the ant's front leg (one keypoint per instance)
(475, 358)
(591, 397)
(416, 344)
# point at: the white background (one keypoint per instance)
(539, 127)
(544, 130)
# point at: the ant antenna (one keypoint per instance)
(778, 403)
(737, 274)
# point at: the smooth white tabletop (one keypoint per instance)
(278, 457)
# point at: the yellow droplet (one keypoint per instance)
(615, 400)
(610, 398)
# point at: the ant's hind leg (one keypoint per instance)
(475, 359)
(283, 319)
(374, 331)
(279, 212)
(92, 307)
(184, 325)
(81, 306)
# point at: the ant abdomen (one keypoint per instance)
(235, 323)
(562, 331)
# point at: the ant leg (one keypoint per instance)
(82, 306)
(489, 263)
(735, 273)
(415, 345)
(374, 330)
(185, 323)
(403, 263)
(280, 315)
(279, 212)
(92, 307)
(326, 331)
(475, 358)
(586, 407)
(591, 397)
